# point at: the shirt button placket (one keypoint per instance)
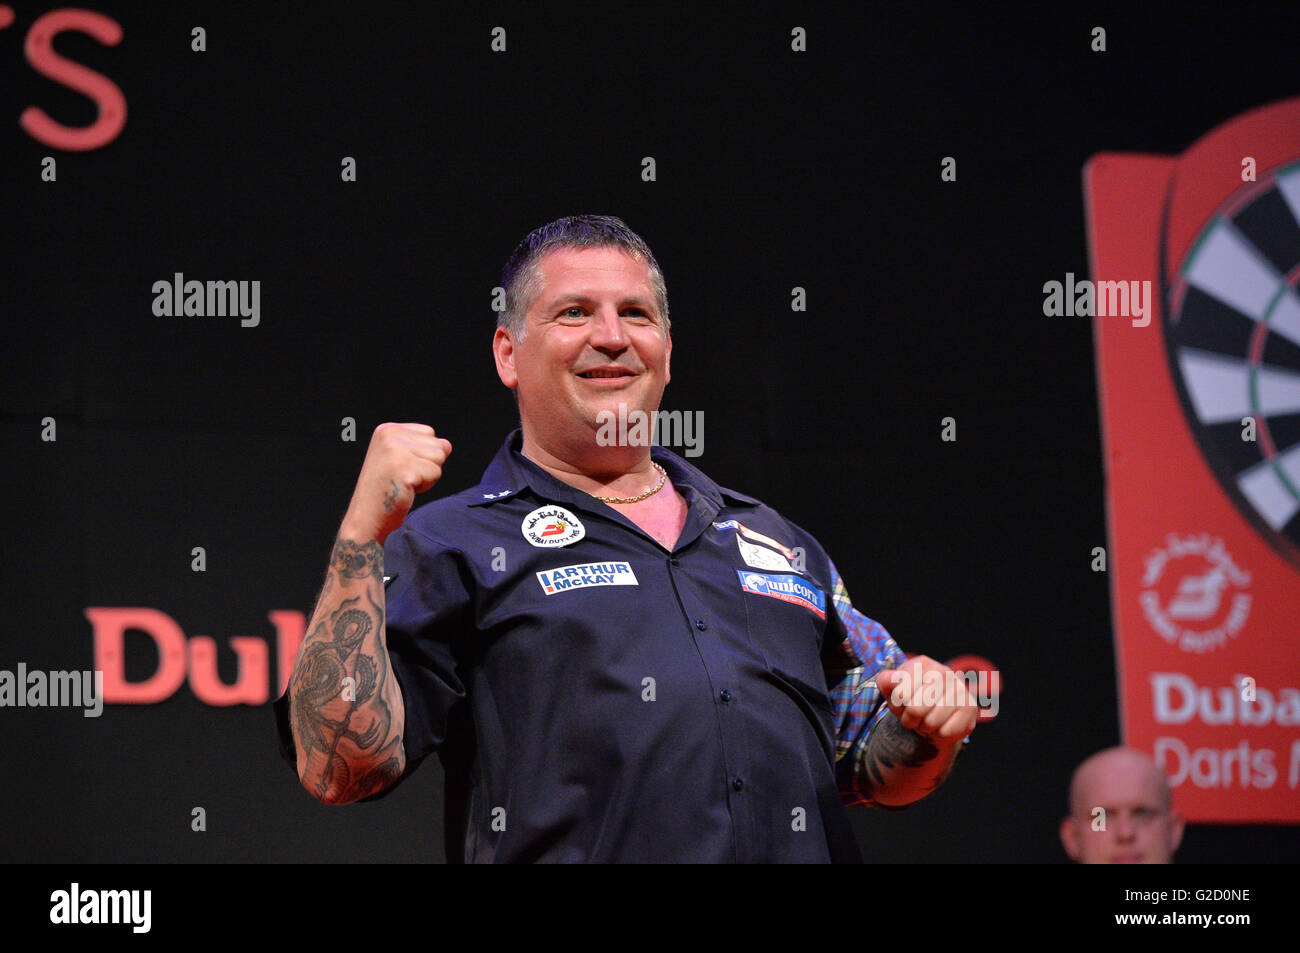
(731, 742)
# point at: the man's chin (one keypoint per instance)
(620, 425)
(623, 409)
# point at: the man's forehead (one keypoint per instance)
(1120, 782)
(594, 271)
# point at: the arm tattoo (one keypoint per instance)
(892, 746)
(339, 686)
(351, 561)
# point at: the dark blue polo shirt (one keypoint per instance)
(596, 697)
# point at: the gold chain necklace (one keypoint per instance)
(663, 476)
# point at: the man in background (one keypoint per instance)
(1121, 811)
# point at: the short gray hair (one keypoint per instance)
(522, 277)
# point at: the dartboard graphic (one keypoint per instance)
(1232, 333)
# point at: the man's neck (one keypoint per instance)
(600, 471)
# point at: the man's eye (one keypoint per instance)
(566, 311)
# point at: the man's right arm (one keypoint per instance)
(346, 710)
(347, 714)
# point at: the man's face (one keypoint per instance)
(1139, 828)
(594, 339)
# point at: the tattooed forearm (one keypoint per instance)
(346, 709)
(357, 561)
(898, 766)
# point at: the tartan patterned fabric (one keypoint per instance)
(857, 703)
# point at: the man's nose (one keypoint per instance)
(607, 330)
(1124, 826)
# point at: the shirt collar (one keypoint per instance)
(510, 471)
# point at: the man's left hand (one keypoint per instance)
(930, 699)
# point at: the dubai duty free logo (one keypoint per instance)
(1193, 593)
(549, 526)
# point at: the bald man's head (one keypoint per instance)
(1121, 811)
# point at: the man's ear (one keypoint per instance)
(503, 351)
(668, 360)
(1070, 838)
(1176, 834)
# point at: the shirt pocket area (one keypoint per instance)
(784, 627)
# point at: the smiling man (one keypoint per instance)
(615, 658)
(595, 337)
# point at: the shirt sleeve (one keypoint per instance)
(856, 648)
(426, 603)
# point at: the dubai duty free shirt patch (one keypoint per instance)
(549, 526)
(585, 576)
(787, 588)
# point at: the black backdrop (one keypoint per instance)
(775, 169)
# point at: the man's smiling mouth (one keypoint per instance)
(606, 373)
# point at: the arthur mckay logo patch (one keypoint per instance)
(784, 587)
(585, 576)
(549, 526)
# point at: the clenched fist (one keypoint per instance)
(931, 699)
(402, 460)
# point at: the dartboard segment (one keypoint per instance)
(1233, 333)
